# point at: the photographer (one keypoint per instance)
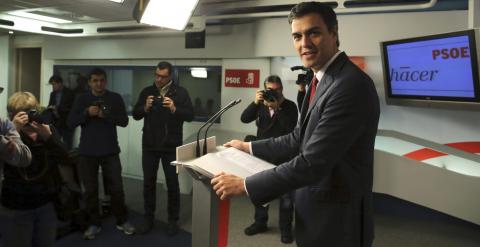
(12, 150)
(28, 193)
(164, 106)
(275, 116)
(60, 102)
(99, 112)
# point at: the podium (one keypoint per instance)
(209, 213)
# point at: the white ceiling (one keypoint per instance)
(89, 14)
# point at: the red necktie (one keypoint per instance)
(314, 88)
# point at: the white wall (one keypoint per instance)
(360, 34)
(4, 73)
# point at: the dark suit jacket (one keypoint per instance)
(332, 168)
(66, 103)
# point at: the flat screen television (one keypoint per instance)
(438, 70)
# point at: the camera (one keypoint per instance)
(304, 78)
(157, 102)
(269, 95)
(105, 108)
(45, 117)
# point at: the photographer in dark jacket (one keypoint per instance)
(274, 116)
(28, 192)
(61, 101)
(164, 106)
(99, 112)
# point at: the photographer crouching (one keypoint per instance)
(28, 193)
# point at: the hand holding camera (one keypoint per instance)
(259, 97)
(93, 111)
(20, 120)
(43, 130)
(148, 103)
(99, 108)
(168, 103)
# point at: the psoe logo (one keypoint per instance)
(405, 73)
(451, 53)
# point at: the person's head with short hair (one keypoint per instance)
(21, 101)
(97, 81)
(314, 32)
(57, 83)
(163, 73)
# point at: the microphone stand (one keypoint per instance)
(211, 119)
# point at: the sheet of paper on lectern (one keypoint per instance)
(229, 160)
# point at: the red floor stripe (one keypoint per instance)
(471, 147)
(424, 154)
(223, 214)
(427, 153)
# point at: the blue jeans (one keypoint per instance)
(26, 228)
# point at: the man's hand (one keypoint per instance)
(227, 185)
(301, 87)
(148, 103)
(43, 130)
(93, 111)
(243, 146)
(168, 103)
(258, 97)
(19, 120)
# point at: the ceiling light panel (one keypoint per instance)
(39, 17)
(172, 14)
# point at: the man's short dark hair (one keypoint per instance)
(322, 9)
(97, 71)
(273, 79)
(55, 78)
(165, 65)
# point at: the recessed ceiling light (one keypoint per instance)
(199, 72)
(118, 1)
(10, 32)
(173, 14)
(39, 17)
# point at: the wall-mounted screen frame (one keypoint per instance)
(438, 70)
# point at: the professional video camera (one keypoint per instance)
(105, 108)
(44, 117)
(303, 78)
(269, 95)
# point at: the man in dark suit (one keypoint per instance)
(61, 101)
(274, 116)
(332, 145)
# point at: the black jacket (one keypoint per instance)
(99, 135)
(34, 186)
(281, 123)
(163, 130)
(66, 103)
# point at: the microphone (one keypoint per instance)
(211, 120)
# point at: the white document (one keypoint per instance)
(229, 160)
